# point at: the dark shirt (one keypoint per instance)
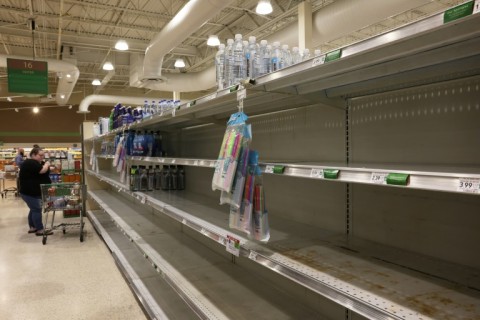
(30, 178)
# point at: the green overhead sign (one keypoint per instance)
(27, 76)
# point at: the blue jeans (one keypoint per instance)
(35, 213)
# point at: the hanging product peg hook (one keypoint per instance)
(241, 95)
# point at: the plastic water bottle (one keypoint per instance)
(146, 110)
(228, 77)
(220, 65)
(267, 60)
(296, 57)
(276, 57)
(317, 53)
(258, 63)
(286, 60)
(251, 56)
(153, 108)
(238, 60)
(306, 54)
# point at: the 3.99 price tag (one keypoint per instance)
(379, 177)
(469, 185)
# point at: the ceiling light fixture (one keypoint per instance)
(264, 7)
(179, 63)
(96, 82)
(35, 110)
(121, 45)
(108, 66)
(9, 99)
(213, 41)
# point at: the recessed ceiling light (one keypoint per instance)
(179, 63)
(213, 41)
(108, 66)
(121, 45)
(264, 7)
(96, 82)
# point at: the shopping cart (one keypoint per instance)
(11, 174)
(66, 197)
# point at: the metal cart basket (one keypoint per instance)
(66, 197)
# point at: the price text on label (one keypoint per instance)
(470, 185)
(379, 177)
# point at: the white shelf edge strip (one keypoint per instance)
(150, 304)
(304, 275)
(188, 291)
(424, 180)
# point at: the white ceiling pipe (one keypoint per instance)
(188, 20)
(65, 83)
(186, 82)
(329, 22)
(108, 100)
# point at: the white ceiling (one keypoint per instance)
(86, 31)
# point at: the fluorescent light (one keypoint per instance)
(9, 99)
(108, 66)
(179, 63)
(96, 82)
(213, 41)
(121, 45)
(264, 7)
(35, 110)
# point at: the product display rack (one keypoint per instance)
(363, 259)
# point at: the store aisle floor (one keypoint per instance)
(64, 279)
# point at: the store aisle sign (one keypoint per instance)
(27, 76)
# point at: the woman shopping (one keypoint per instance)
(33, 173)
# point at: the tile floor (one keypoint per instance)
(64, 279)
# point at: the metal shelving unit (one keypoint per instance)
(375, 258)
(323, 273)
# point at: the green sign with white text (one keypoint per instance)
(27, 76)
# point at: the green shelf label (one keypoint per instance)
(330, 173)
(234, 88)
(278, 169)
(458, 12)
(398, 179)
(334, 55)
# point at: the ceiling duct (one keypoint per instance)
(188, 20)
(67, 75)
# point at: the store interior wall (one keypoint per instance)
(48, 126)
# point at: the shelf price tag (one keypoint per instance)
(241, 94)
(331, 173)
(334, 55)
(233, 246)
(195, 163)
(143, 200)
(379, 177)
(316, 173)
(269, 169)
(476, 7)
(318, 61)
(174, 160)
(469, 185)
(398, 179)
